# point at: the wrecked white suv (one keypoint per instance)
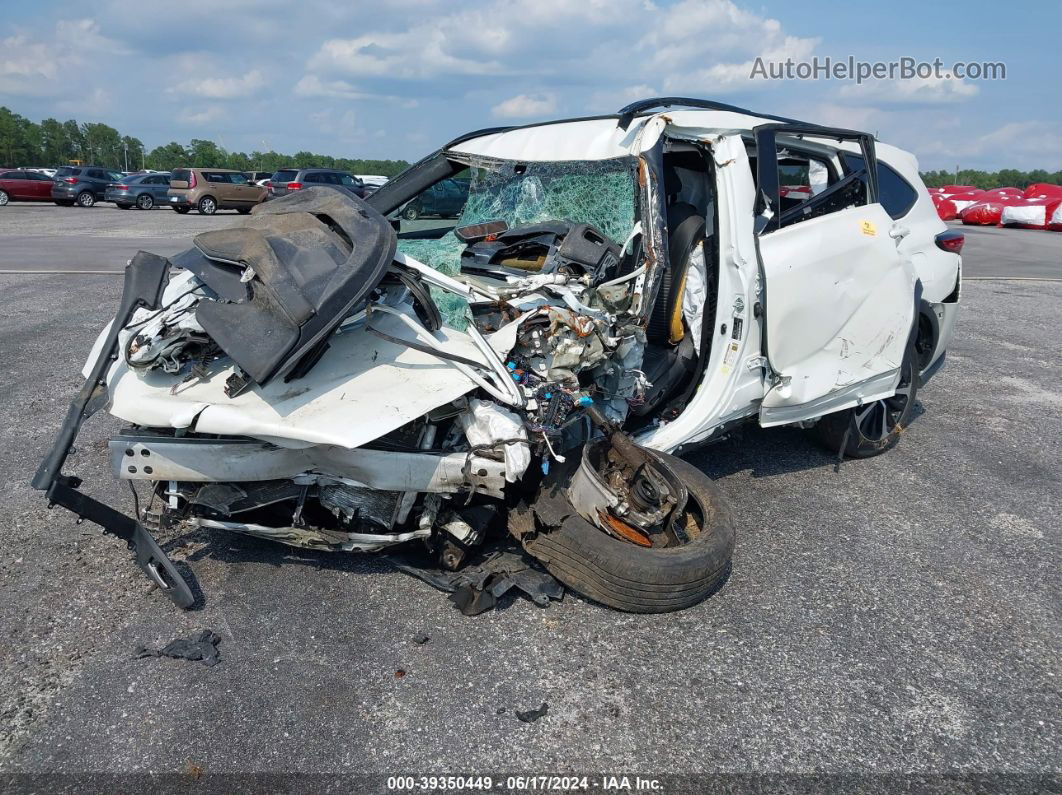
(614, 290)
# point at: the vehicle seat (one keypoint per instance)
(685, 231)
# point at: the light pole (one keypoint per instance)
(125, 146)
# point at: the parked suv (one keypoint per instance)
(445, 199)
(143, 190)
(83, 185)
(27, 186)
(211, 189)
(287, 180)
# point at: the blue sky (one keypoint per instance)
(396, 79)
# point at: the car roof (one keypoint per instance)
(612, 135)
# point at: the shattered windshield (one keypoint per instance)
(597, 192)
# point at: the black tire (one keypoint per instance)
(637, 579)
(411, 212)
(182, 210)
(4, 198)
(874, 427)
(86, 199)
(124, 206)
(243, 210)
(64, 202)
(208, 205)
(145, 201)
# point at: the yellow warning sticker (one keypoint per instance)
(869, 229)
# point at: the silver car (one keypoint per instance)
(143, 190)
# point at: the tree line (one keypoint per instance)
(1004, 178)
(54, 143)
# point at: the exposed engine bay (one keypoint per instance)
(547, 303)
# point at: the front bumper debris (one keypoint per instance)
(145, 278)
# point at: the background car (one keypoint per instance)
(211, 189)
(444, 199)
(287, 180)
(27, 186)
(258, 177)
(84, 185)
(143, 190)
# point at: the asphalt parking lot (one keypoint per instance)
(901, 615)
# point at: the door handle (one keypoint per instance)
(899, 232)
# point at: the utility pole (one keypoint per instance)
(125, 146)
(956, 173)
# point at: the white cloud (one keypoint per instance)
(208, 114)
(920, 91)
(222, 87)
(525, 105)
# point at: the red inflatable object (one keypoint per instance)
(1031, 214)
(950, 189)
(1043, 190)
(989, 210)
(1005, 192)
(970, 195)
(982, 214)
(946, 209)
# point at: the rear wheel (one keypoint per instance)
(207, 206)
(686, 560)
(123, 206)
(86, 199)
(4, 198)
(411, 213)
(144, 201)
(243, 210)
(182, 210)
(871, 429)
(64, 202)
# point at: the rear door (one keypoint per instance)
(16, 184)
(840, 300)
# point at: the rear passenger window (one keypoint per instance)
(895, 193)
(214, 176)
(806, 188)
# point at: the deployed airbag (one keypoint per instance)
(306, 261)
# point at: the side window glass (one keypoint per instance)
(894, 192)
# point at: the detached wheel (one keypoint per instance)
(411, 213)
(4, 198)
(207, 206)
(874, 427)
(144, 201)
(86, 199)
(626, 575)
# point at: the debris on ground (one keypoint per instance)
(476, 588)
(420, 638)
(531, 715)
(200, 648)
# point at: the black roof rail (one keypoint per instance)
(627, 114)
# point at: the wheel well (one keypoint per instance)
(927, 334)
